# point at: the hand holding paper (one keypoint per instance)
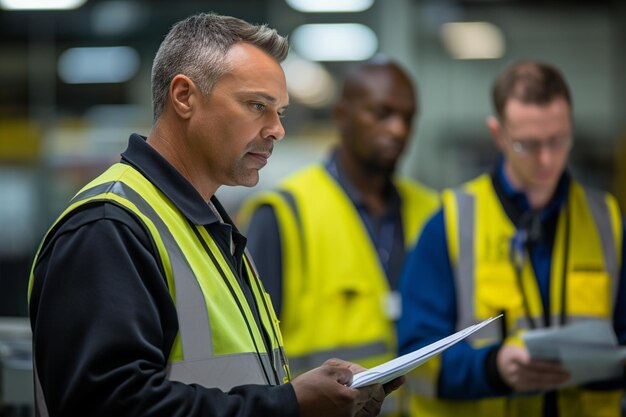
(588, 350)
(523, 374)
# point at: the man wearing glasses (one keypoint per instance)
(526, 241)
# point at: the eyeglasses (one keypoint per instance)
(534, 146)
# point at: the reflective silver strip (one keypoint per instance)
(596, 202)
(464, 272)
(41, 409)
(465, 286)
(223, 371)
(280, 359)
(193, 321)
(299, 364)
(421, 385)
(199, 364)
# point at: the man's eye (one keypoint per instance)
(258, 106)
(381, 113)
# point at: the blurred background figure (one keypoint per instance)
(526, 240)
(329, 244)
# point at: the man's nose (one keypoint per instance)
(398, 126)
(545, 154)
(274, 129)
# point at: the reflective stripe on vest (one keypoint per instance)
(314, 233)
(600, 212)
(190, 305)
(594, 215)
(464, 275)
(199, 364)
(198, 361)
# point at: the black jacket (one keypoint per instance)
(104, 322)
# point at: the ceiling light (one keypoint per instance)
(41, 4)
(308, 82)
(472, 40)
(326, 6)
(334, 42)
(115, 64)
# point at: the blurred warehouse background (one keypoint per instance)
(75, 82)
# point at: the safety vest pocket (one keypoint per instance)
(589, 293)
(352, 311)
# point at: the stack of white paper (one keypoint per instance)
(399, 366)
(587, 349)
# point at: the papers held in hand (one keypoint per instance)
(401, 365)
(587, 349)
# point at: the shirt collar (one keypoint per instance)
(144, 158)
(557, 200)
(335, 171)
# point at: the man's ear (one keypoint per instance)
(183, 91)
(495, 129)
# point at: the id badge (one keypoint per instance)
(393, 305)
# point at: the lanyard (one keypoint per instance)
(518, 258)
(519, 250)
(257, 280)
(269, 349)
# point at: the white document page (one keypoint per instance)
(587, 349)
(401, 365)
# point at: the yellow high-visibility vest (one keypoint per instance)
(334, 288)
(219, 344)
(586, 261)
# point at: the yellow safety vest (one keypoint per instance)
(335, 289)
(586, 261)
(219, 344)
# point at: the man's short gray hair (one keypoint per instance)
(197, 47)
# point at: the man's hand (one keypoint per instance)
(522, 373)
(372, 396)
(324, 391)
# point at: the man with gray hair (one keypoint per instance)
(143, 300)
